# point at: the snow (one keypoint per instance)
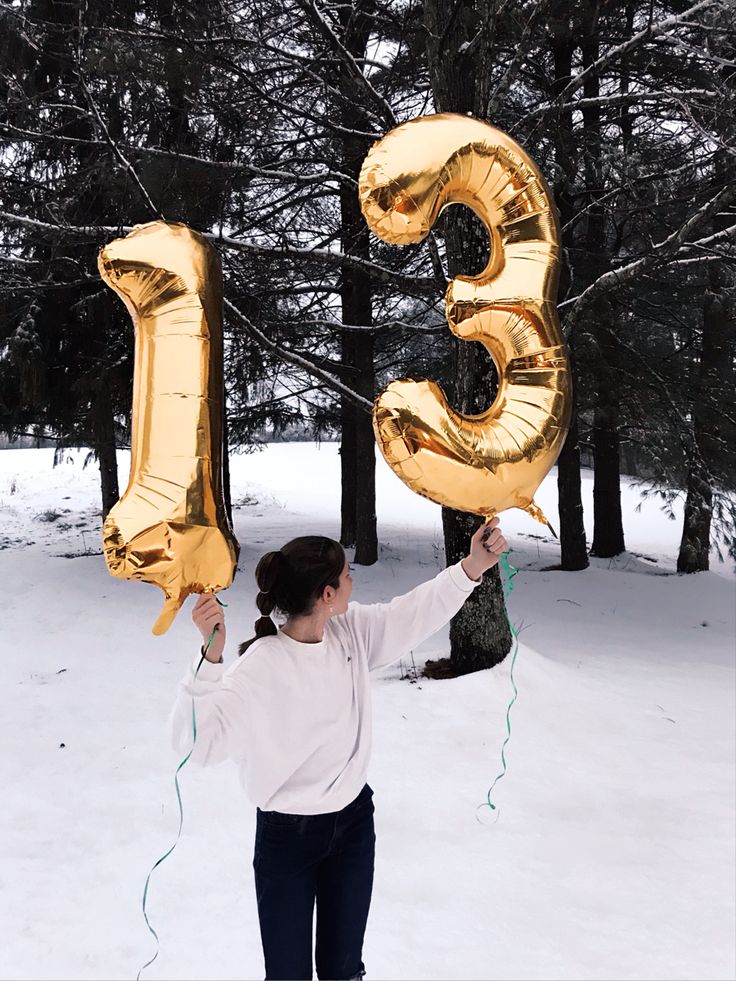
(613, 854)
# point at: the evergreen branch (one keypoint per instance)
(291, 357)
(332, 258)
(496, 97)
(661, 254)
(628, 98)
(127, 165)
(652, 31)
(312, 11)
(238, 168)
(378, 273)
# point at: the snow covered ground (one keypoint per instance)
(613, 857)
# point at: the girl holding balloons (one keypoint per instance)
(294, 712)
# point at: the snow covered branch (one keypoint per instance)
(334, 259)
(291, 357)
(315, 15)
(661, 254)
(651, 31)
(285, 176)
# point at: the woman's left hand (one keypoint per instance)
(486, 547)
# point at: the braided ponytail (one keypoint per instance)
(267, 573)
(291, 579)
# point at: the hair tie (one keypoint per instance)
(265, 627)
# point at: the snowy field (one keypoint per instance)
(613, 857)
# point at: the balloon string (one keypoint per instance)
(509, 573)
(181, 809)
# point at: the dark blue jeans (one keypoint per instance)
(322, 858)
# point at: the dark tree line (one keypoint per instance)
(249, 120)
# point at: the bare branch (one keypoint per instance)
(386, 325)
(84, 231)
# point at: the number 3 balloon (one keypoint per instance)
(496, 460)
(170, 528)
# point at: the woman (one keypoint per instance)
(294, 713)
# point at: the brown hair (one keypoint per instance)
(292, 579)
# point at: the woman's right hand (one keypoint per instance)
(208, 615)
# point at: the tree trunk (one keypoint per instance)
(714, 379)
(348, 462)
(226, 489)
(608, 531)
(573, 546)
(366, 538)
(357, 452)
(357, 448)
(103, 428)
(479, 634)
(713, 374)
(694, 554)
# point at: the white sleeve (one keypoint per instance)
(221, 712)
(390, 630)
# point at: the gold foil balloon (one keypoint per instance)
(170, 528)
(496, 460)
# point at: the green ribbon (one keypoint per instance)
(181, 809)
(509, 573)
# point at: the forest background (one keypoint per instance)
(249, 121)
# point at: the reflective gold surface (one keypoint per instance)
(170, 527)
(496, 460)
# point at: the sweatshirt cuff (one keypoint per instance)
(208, 671)
(461, 579)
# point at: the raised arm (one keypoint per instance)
(390, 630)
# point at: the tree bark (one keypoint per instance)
(103, 428)
(348, 463)
(573, 546)
(608, 532)
(480, 636)
(357, 448)
(713, 377)
(694, 554)
(226, 489)
(608, 529)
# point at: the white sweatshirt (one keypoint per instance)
(296, 716)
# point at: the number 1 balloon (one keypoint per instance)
(170, 528)
(495, 460)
